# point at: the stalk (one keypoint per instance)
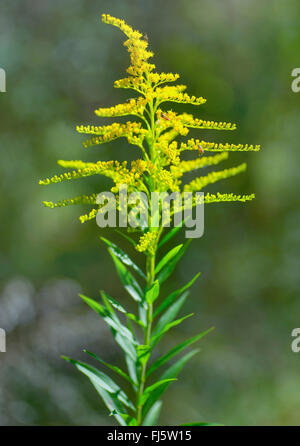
(147, 335)
(150, 272)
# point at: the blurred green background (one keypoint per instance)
(61, 62)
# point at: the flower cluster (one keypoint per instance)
(160, 166)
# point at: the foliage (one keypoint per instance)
(160, 168)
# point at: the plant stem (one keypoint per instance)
(150, 272)
(147, 335)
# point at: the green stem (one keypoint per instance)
(147, 335)
(150, 271)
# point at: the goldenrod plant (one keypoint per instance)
(159, 167)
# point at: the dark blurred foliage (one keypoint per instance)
(61, 62)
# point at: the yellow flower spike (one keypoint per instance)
(213, 177)
(133, 131)
(146, 242)
(217, 198)
(159, 169)
(174, 94)
(133, 107)
(155, 134)
(196, 144)
(188, 166)
(90, 216)
(83, 199)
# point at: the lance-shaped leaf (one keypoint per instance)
(101, 379)
(129, 282)
(153, 414)
(170, 234)
(110, 366)
(155, 339)
(132, 369)
(143, 353)
(170, 299)
(169, 267)
(125, 344)
(112, 403)
(147, 392)
(171, 372)
(167, 258)
(153, 292)
(170, 314)
(176, 350)
(123, 256)
(115, 304)
(129, 421)
(113, 322)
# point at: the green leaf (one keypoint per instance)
(153, 414)
(171, 372)
(170, 314)
(123, 256)
(129, 282)
(129, 421)
(155, 339)
(170, 299)
(169, 267)
(115, 304)
(153, 292)
(147, 392)
(131, 366)
(98, 378)
(143, 353)
(172, 233)
(113, 322)
(125, 345)
(175, 350)
(123, 341)
(112, 367)
(166, 259)
(112, 403)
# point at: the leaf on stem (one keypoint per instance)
(170, 299)
(100, 379)
(152, 294)
(176, 350)
(129, 282)
(155, 339)
(147, 392)
(170, 314)
(112, 367)
(113, 322)
(172, 233)
(153, 414)
(169, 267)
(171, 372)
(167, 258)
(115, 304)
(123, 256)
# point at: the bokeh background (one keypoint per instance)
(61, 62)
